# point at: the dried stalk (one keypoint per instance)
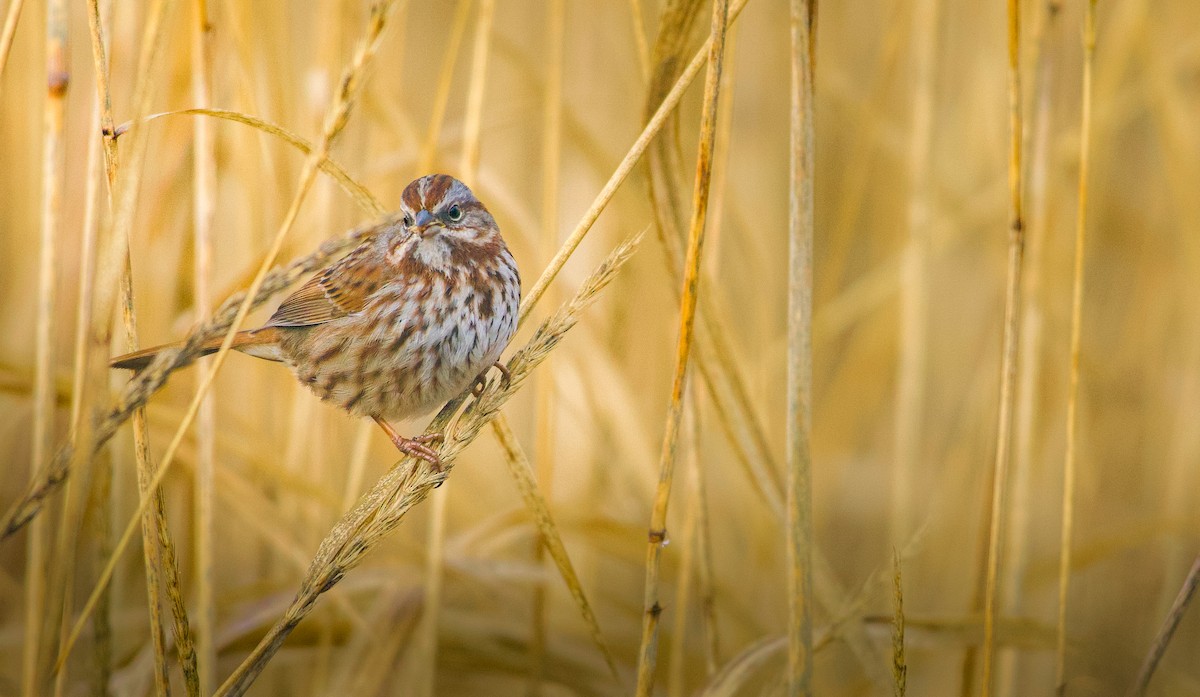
(445, 81)
(204, 174)
(42, 610)
(799, 536)
(1068, 495)
(543, 452)
(10, 30)
(899, 663)
(522, 472)
(647, 653)
(1170, 624)
(1012, 330)
(469, 161)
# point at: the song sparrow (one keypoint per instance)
(405, 321)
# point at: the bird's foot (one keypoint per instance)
(417, 446)
(481, 379)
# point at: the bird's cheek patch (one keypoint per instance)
(395, 253)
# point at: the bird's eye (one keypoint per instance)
(454, 214)
(408, 221)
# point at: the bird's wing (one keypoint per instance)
(342, 289)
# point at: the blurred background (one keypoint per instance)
(910, 251)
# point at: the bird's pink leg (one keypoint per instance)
(414, 446)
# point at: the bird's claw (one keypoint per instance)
(481, 379)
(417, 448)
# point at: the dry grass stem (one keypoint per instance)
(441, 98)
(204, 171)
(544, 438)
(1167, 631)
(657, 535)
(1012, 327)
(639, 37)
(899, 663)
(10, 30)
(469, 161)
(42, 607)
(1068, 495)
(912, 365)
(798, 532)
(522, 473)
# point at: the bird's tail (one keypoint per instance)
(262, 343)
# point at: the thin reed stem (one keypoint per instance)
(426, 640)
(204, 175)
(1012, 330)
(913, 319)
(10, 30)
(544, 429)
(899, 662)
(1069, 457)
(441, 96)
(522, 473)
(1167, 631)
(657, 537)
(799, 535)
(42, 608)
(469, 161)
(639, 37)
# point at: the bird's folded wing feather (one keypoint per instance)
(342, 289)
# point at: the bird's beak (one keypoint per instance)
(423, 223)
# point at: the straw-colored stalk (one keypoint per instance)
(522, 473)
(544, 422)
(913, 319)
(1027, 426)
(101, 484)
(469, 160)
(9, 31)
(1012, 327)
(657, 536)
(204, 174)
(899, 662)
(1069, 457)
(799, 363)
(639, 37)
(384, 507)
(692, 561)
(1170, 624)
(441, 96)
(857, 165)
(39, 604)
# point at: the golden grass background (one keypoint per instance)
(909, 262)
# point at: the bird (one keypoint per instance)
(410, 318)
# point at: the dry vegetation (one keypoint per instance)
(288, 551)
